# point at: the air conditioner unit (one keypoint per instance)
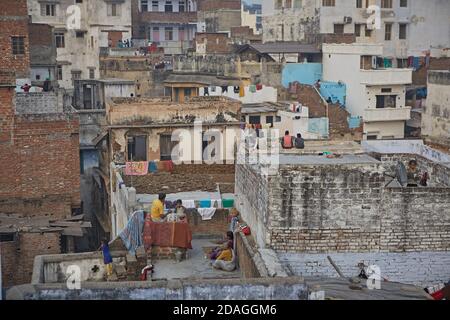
(348, 20)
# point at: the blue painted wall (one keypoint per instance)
(304, 73)
(335, 91)
(319, 126)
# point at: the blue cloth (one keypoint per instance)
(416, 63)
(205, 203)
(152, 166)
(233, 223)
(132, 234)
(107, 258)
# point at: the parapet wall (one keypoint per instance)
(215, 289)
(343, 208)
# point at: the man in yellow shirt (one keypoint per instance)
(157, 210)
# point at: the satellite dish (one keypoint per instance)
(400, 173)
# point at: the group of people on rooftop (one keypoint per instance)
(290, 142)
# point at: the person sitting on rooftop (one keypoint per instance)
(229, 240)
(287, 142)
(26, 87)
(299, 142)
(226, 260)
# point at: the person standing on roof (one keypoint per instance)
(107, 258)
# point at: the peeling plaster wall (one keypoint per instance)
(436, 113)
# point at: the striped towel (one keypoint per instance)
(132, 234)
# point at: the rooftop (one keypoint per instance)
(282, 47)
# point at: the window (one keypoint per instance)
(168, 33)
(328, 3)
(114, 9)
(402, 31)
(181, 6)
(254, 119)
(386, 101)
(168, 7)
(359, 3)
(403, 3)
(386, 90)
(278, 4)
(372, 137)
(7, 237)
(79, 34)
(358, 29)
(388, 31)
(76, 75)
(402, 63)
(166, 146)
(79, 1)
(368, 32)
(155, 6)
(18, 45)
(288, 4)
(48, 9)
(137, 148)
(144, 5)
(386, 4)
(297, 4)
(91, 73)
(269, 120)
(338, 29)
(59, 40)
(59, 72)
(366, 62)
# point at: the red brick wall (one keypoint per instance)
(215, 42)
(15, 23)
(18, 257)
(217, 226)
(420, 76)
(40, 34)
(40, 154)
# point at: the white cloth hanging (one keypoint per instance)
(206, 213)
(189, 204)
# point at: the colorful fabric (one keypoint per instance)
(132, 234)
(168, 165)
(136, 168)
(259, 87)
(205, 203)
(152, 167)
(225, 255)
(252, 89)
(157, 209)
(241, 91)
(173, 234)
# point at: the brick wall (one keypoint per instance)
(41, 34)
(207, 5)
(217, 226)
(419, 77)
(42, 156)
(215, 42)
(245, 253)
(14, 22)
(186, 178)
(37, 102)
(18, 256)
(346, 208)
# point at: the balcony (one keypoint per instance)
(169, 17)
(381, 77)
(387, 114)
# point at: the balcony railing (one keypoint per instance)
(387, 114)
(169, 17)
(386, 76)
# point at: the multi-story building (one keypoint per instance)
(376, 94)
(251, 16)
(399, 24)
(80, 29)
(170, 24)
